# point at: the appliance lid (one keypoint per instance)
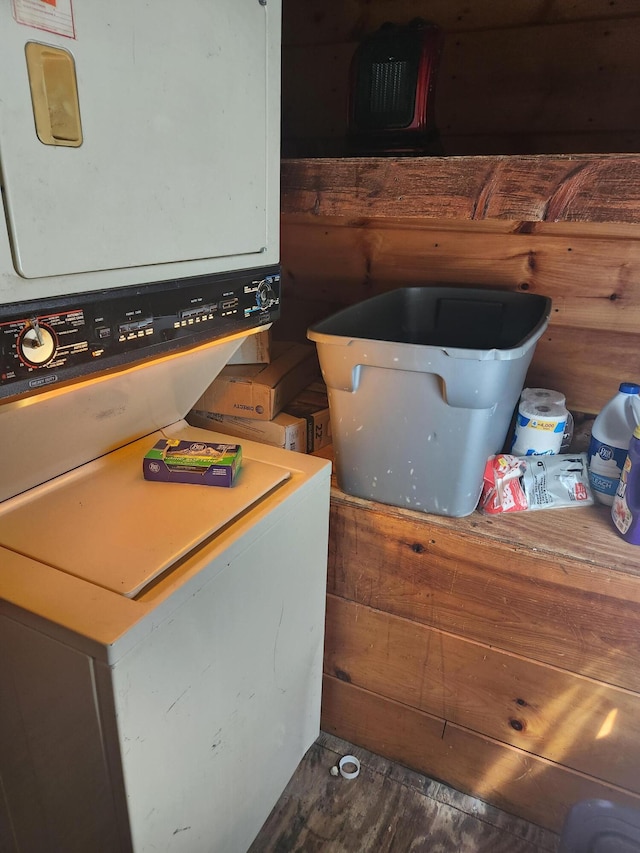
(106, 524)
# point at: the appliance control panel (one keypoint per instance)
(56, 340)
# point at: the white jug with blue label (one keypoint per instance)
(610, 437)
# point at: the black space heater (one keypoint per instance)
(391, 91)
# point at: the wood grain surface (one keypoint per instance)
(580, 187)
(388, 808)
(581, 723)
(512, 779)
(589, 270)
(319, 22)
(591, 280)
(512, 79)
(544, 604)
(498, 653)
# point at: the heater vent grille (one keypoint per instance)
(392, 92)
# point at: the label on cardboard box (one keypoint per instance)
(205, 463)
(312, 404)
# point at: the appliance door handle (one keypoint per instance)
(54, 95)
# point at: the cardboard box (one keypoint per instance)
(304, 426)
(203, 463)
(262, 391)
(284, 430)
(255, 349)
(312, 405)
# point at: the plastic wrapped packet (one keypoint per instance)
(516, 483)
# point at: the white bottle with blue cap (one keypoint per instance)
(610, 437)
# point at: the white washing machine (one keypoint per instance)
(160, 643)
(161, 652)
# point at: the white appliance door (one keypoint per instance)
(172, 118)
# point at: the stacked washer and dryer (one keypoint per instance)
(160, 644)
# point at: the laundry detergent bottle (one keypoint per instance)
(610, 437)
(625, 511)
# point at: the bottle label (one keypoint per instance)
(605, 466)
(620, 512)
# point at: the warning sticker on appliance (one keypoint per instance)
(54, 16)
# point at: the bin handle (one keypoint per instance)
(343, 375)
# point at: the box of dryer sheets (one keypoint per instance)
(261, 391)
(284, 430)
(171, 460)
(312, 405)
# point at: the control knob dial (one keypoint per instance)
(36, 343)
(265, 297)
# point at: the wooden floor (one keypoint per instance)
(386, 808)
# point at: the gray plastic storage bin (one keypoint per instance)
(600, 826)
(422, 383)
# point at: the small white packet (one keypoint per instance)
(556, 481)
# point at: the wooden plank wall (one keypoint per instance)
(504, 668)
(534, 77)
(495, 653)
(592, 274)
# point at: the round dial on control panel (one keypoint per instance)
(265, 296)
(37, 344)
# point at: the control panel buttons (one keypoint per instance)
(126, 325)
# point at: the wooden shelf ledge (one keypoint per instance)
(541, 188)
(458, 646)
(583, 535)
